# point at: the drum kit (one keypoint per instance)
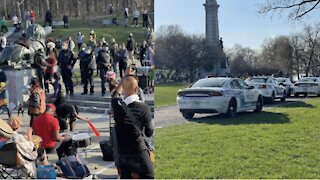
(80, 141)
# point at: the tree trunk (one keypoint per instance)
(5, 8)
(47, 5)
(78, 9)
(19, 14)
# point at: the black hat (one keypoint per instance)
(34, 81)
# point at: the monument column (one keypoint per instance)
(212, 25)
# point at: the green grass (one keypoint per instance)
(166, 94)
(281, 142)
(120, 33)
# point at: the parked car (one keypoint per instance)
(269, 87)
(306, 86)
(287, 84)
(219, 95)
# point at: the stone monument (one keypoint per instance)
(16, 60)
(214, 44)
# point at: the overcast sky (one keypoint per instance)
(239, 21)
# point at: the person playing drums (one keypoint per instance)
(47, 127)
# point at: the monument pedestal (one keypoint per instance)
(18, 82)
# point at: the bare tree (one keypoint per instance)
(297, 8)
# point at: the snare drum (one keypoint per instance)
(81, 140)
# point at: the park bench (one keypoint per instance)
(113, 21)
(107, 22)
(57, 23)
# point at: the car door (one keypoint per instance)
(277, 87)
(237, 92)
(250, 96)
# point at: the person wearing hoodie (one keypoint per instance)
(136, 15)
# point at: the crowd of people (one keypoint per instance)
(114, 62)
(93, 56)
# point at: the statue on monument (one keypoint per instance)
(23, 50)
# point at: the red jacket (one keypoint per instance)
(51, 60)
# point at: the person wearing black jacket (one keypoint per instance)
(105, 64)
(48, 18)
(132, 148)
(66, 61)
(130, 48)
(145, 19)
(88, 63)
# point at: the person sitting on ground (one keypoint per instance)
(47, 127)
(27, 152)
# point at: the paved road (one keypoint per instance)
(170, 115)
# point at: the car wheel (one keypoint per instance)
(188, 115)
(318, 95)
(259, 105)
(272, 98)
(284, 96)
(296, 95)
(232, 109)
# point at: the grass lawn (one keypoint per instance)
(281, 142)
(166, 94)
(120, 33)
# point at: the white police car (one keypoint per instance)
(219, 95)
(286, 83)
(307, 85)
(268, 86)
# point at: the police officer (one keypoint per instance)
(105, 64)
(66, 61)
(89, 65)
(81, 55)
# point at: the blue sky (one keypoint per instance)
(239, 21)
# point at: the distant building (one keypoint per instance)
(213, 40)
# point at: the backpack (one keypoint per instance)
(34, 100)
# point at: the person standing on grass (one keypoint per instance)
(48, 18)
(71, 44)
(32, 17)
(3, 24)
(65, 21)
(110, 8)
(66, 61)
(80, 39)
(145, 19)
(126, 17)
(135, 15)
(132, 120)
(27, 19)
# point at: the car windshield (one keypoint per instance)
(209, 82)
(281, 80)
(258, 80)
(308, 80)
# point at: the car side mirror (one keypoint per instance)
(251, 87)
(281, 84)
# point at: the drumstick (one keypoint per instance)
(94, 129)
